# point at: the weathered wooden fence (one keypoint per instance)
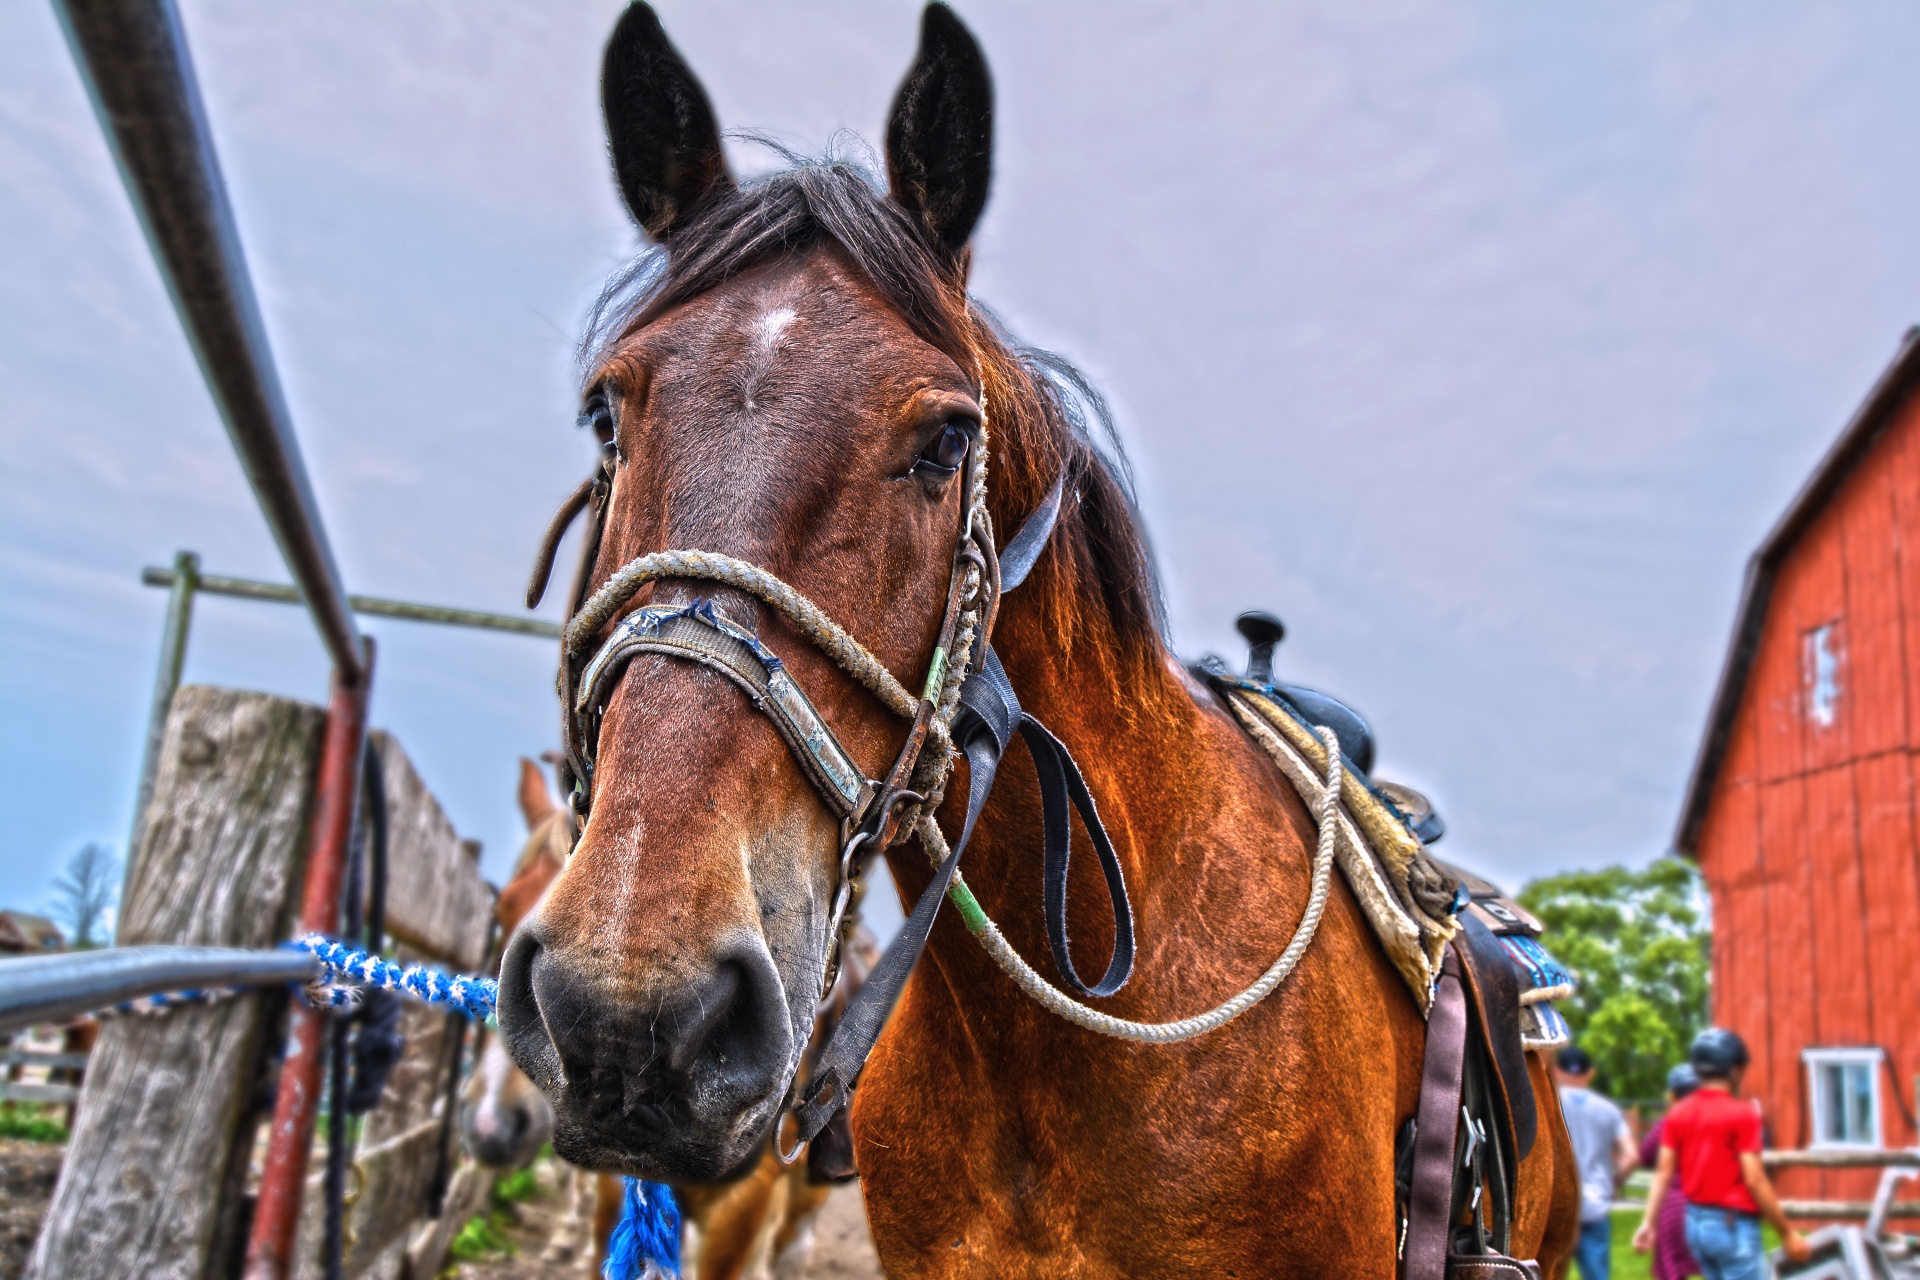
(159, 1172)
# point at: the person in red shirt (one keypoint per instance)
(1711, 1141)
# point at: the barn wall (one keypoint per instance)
(1809, 846)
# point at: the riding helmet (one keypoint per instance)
(1717, 1053)
(1682, 1080)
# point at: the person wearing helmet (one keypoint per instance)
(1603, 1152)
(1711, 1142)
(1671, 1261)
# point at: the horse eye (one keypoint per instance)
(949, 448)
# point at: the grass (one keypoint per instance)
(485, 1234)
(1628, 1265)
(34, 1124)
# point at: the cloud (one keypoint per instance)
(1481, 343)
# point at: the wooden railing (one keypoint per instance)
(22, 1091)
(1843, 1158)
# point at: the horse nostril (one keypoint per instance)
(523, 1022)
(734, 1024)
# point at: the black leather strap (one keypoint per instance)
(831, 1086)
(1431, 1207)
(990, 715)
(1018, 557)
(1061, 783)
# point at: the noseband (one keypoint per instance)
(966, 699)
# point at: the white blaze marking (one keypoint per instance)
(769, 326)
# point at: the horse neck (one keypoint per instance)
(1166, 769)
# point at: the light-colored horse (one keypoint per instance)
(505, 1120)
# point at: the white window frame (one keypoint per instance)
(1870, 1058)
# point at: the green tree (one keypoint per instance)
(1637, 943)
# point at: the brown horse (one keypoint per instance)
(796, 382)
(504, 1120)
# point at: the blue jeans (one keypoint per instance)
(1593, 1252)
(1725, 1244)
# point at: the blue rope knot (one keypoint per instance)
(645, 1244)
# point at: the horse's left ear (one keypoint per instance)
(536, 802)
(940, 139)
(660, 126)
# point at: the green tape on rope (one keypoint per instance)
(969, 908)
(936, 676)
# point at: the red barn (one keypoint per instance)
(1804, 807)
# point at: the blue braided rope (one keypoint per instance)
(645, 1243)
(347, 969)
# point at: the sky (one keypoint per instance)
(1480, 342)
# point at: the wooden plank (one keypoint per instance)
(1888, 921)
(1773, 687)
(1730, 863)
(41, 1058)
(1846, 1208)
(1789, 931)
(467, 1196)
(161, 1117)
(1840, 1158)
(388, 1187)
(437, 902)
(1875, 675)
(11, 1091)
(1839, 954)
(419, 1079)
(1816, 597)
(1902, 446)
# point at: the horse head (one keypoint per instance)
(504, 1119)
(797, 384)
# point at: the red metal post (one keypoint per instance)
(276, 1215)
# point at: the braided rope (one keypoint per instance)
(474, 997)
(168, 1001)
(826, 634)
(1059, 1003)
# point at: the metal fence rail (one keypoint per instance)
(133, 57)
(372, 606)
(37, 989)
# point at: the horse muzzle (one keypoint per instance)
(676, 1079)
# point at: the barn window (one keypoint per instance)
(1823, 673)
(1845, 1084)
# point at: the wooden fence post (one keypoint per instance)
(154, 1178)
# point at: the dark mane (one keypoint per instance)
(1042, 412)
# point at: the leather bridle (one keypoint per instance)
(966, 703)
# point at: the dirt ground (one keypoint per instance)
(27, 1173)
(840, 1250)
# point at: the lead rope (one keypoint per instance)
(1059, 1003)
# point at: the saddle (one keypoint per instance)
(1486, 1001)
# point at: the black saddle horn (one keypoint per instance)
(1262, 631)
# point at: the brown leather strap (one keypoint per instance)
(1431, 1205)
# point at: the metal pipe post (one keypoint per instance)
(296, 1104)
(173, 655)
(133, 57)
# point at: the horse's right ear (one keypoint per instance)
(660, 126)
